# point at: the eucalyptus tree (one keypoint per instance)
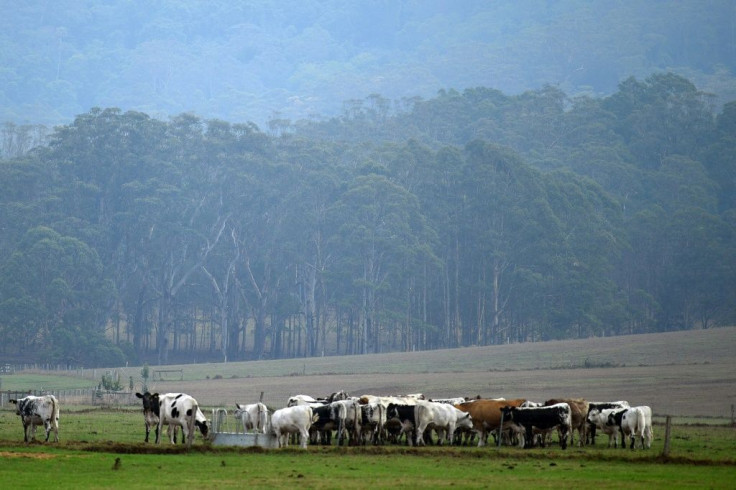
(697, 288)
(54, 297)
(307, 244)
(661, 116)
(381, 227)
(583, 298)
(506, 226)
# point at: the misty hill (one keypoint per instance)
(306, 59)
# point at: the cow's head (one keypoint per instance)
(593, 415)
(150, 402)
(508, 413)
(202, 427)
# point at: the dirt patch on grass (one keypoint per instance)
(7, 454)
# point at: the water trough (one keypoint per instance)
(222, 436)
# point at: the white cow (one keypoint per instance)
(634, 422)
(292, 420)
(38, 410)
(349, 416)
(180, 410)
(253, 417)
(599, 418)
(302, 400)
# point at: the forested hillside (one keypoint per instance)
(299, 59)
(471, 218)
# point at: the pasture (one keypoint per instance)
(102, 448)
(690, 375)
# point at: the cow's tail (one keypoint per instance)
(641, 426)
(341, 416)
(54, 422)
(357, 416)
(263, 417)
(380, 426)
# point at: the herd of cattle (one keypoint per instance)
(371, 419)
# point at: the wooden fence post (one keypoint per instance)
(500, 431)
(667, 434)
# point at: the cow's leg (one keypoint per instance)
(303, 436)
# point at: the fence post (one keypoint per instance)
(500, 431)
(667, 434)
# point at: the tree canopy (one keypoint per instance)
(470, 218)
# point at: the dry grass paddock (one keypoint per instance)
(687, 373)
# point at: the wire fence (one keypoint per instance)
(81, 396)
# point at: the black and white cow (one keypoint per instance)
(38, 410)
(349, 416)
(600, 406)
(373, 420)
(525, 420)
(254, 417)
(180, 410)
(150, 414)
(599, 419)
(150, 411)
(324, 421)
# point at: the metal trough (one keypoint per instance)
(222, 437)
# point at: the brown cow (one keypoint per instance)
(486, 415)
(579, 413)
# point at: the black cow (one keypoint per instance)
(405, 415)
(541, 418)
(325, 423)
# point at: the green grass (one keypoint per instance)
(93, 439)
(37, 467)
(38, 381)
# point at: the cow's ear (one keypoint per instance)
(237, 405)
(139, 395)
(14, 402)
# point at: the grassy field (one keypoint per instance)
(691, 375)
(102, 448)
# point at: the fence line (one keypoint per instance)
(79, 396)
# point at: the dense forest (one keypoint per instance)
(470, 218)
(254, 60)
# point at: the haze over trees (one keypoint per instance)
(472, 218)
(299, 59)
(252, 180)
